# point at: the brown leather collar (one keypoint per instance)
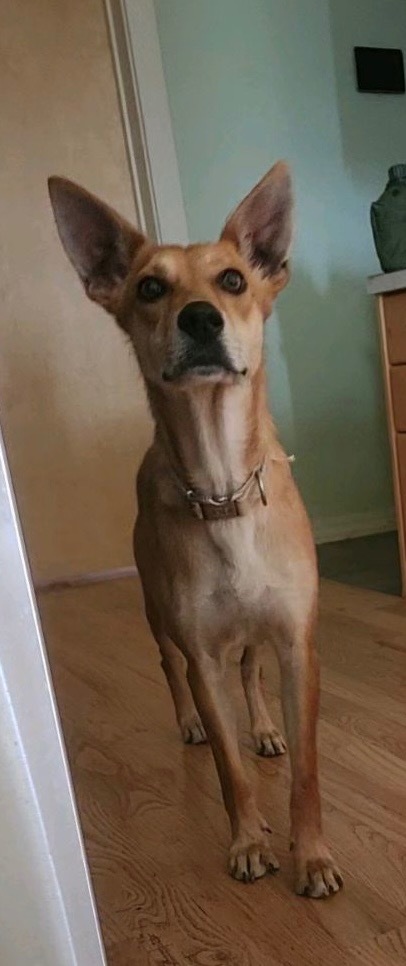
(230, 506)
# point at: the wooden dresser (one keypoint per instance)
(390, 293)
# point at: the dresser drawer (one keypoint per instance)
(395, 323)
(401, 454)
(397, 376)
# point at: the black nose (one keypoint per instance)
(201, 321)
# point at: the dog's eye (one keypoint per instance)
(151, 288)
(232, 281)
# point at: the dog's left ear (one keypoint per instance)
(261, 226)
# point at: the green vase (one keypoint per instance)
(388, 219)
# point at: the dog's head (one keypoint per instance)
(193, 313)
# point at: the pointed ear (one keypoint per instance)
(261, 226)
(100, 244)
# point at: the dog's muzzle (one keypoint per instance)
(202, 350)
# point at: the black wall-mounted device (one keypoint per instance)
(380, 70)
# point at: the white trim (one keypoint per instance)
(146, 119)
(387, 282)
(353, 525)
(48, 909)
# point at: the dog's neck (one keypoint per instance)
(213, 435)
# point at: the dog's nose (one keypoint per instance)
(201, 321)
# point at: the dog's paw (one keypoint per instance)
(269, 744)
(317, 875)
(192, 731)
(250, 855)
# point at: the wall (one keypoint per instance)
(72, 406)
(251, 82)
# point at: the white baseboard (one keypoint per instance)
(354, 525)
(93, 577)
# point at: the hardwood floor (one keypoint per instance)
(153, 821)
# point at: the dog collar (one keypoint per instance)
(230, 506)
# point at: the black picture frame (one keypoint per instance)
(379, 70)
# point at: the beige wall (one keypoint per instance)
(72, 406)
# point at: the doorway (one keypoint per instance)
(73, 407)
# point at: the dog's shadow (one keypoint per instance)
(329, 401)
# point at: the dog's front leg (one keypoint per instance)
(250, 855)
(173, 666)
(268, 741)
(316, 873)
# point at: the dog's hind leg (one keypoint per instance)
(174, 667)
(267, 739)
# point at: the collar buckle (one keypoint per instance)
(227, 507)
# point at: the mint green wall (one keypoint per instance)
(250, 81)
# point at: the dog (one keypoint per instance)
(222, 541)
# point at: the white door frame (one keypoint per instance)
(146, 119)
(47, 909)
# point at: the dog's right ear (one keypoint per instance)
(261, 226)
(100, 244)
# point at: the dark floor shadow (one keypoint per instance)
(370, 562)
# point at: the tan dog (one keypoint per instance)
(222, 541)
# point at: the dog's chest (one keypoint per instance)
(240, 574)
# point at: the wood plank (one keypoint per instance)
(395, 315)
(398, 388)
(386, 950)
